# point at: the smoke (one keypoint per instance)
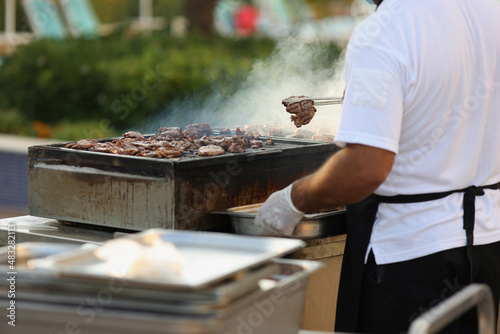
(361, 9)
(294, 68)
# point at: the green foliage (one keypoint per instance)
(73, 131)
(118, 80)
(12, 122)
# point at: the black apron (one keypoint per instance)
(360, 220)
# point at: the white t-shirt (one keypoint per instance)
(423, 81)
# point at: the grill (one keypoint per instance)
(139, 193)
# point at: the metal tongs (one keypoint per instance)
(317, 101)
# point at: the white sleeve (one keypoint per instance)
(372, 110)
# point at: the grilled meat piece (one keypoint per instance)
(224, 142)
(246, 134)
(128, 148)
(269, 141)
(83, 144)
(99, 147)
(113, 148)
(145, 145)
(134, 134)
(236, 148)
(302, 112)
(239, 132)
(205, 140)
(252, 135)
(241, 141)
(169, 152)
(171, 133)
(198, 130)
(148, 153)
(210, 151)
(226, 131)
(181, 144)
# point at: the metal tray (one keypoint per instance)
(26, 251)
(43, 286)
(209, 258)
(284, 292)
(205, 302)
(317, 225)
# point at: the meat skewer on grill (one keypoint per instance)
(302, 107)
(317, 101)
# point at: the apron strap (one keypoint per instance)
(470, 194)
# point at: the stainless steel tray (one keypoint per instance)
(26, 251)
(208, 258)
(205, 302)
(42, 286)
(317, 225)
(284, 292)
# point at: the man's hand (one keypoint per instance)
(278, 216)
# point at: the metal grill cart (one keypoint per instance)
(139, 193)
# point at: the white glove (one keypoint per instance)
(278, 215)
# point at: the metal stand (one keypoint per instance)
(451, 309)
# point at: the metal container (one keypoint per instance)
(46, 285)
(276, 306)
(42, 287)
(139, 193)
(317, 225)
(208, 258)
(26, 251)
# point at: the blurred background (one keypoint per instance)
(74, 69)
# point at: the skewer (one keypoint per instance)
(318, 101)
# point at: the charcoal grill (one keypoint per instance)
(138, 193)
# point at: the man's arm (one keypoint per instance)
(347, 177)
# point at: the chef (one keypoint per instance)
(420, 166)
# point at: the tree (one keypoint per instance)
(200, 15)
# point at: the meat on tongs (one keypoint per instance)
(302, 107)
